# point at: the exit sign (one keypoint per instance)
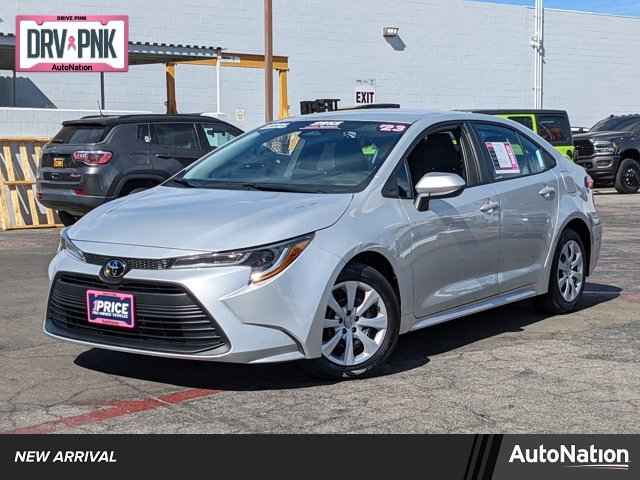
(365, 94)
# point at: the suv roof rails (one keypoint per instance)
(370, 106)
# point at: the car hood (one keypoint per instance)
(209, 219)
(604, 135)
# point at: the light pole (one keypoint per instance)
(268, 61)
(537, 43)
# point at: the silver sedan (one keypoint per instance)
(323, 238)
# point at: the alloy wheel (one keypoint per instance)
(631, 177)
(355, 324)
(570, 271)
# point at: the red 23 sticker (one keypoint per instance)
(392, 127)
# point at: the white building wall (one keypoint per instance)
(458, 54)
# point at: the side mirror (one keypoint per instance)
(436, 185)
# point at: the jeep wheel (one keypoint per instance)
(628, 177)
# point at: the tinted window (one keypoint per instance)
(76, 134)
(526, 121)
(181, 135)
(511, 154)
(555, 129)
(216, 135)
(311, 156)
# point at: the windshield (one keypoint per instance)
(616, 124)
(311, 156)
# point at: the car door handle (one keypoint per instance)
(547, 192)
(490, 207)
(162, 155)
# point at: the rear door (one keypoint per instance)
(523, 176)
(174, 146)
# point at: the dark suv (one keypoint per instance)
(610, 152)
(96, 159)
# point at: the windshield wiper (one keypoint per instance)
(183, 182)
(268, 187)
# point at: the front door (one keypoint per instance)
(453, 255)
(528, 188)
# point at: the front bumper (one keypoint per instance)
(602, 168)
(279, 320)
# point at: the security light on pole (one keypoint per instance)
(389, 32)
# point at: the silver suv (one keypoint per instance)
(325, 237)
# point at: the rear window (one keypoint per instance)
(555, 129)
(76, 134)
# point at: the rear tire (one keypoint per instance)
(567, 278)
(628, 176)
(66, 218)
(361, 328)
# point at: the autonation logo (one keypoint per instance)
(574, 457)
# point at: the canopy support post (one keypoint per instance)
(172, 108)
(283, 94)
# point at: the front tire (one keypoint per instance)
(361, 325)
(567, 278)
(628, 176)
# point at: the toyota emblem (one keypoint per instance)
(114, 270)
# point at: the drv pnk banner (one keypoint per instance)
(72, 43)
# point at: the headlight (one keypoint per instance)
(604, 148)
(265, 262)
(67, 245)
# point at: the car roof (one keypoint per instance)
(401, 115)
(519, 111)
(109, 120)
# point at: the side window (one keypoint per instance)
(555, 129)
(216, 135)
(398, 185)
(511, 154)
(439, 151)
(525, 121)
(180, 135)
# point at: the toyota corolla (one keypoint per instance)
(323, 238)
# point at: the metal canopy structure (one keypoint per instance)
(146, 53)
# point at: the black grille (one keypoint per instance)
(584, 148)
(132, 263)
(168, 319)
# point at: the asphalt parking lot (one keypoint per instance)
(508, 370)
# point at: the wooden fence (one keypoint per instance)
(19, 207)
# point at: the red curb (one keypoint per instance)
(117, 409)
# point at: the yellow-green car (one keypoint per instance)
(552, 125)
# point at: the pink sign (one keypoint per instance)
(72, 43)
